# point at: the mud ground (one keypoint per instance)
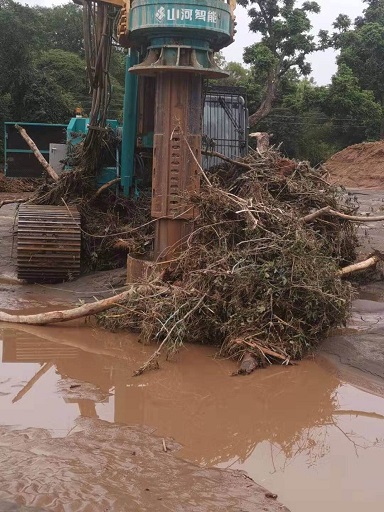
(114, 468)
(361, 346)
(99, 467)
(102, 466)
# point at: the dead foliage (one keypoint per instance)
(253, 276)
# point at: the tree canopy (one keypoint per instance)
(42, 64)
(361, 46)
(43, 73)
(286, 41)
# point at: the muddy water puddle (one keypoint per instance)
(299, 431)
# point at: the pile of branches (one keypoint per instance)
(258, 273)
(106, 215)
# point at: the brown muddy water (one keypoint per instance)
(300, 431)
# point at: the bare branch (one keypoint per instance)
(327, 210)
(226, 159)
(48, 168)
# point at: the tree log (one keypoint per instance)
(262, 140)
(14, 201)
(362, 265)
(37, 153)
(79, 312)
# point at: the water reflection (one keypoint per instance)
(217, 418)
(297, 430)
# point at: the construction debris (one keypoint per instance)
(15, 185)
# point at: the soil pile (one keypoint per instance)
(358, 166)
(14, 185)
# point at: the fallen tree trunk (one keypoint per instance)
(49, 169)
(72, 314)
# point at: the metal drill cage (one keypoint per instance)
(225, 123)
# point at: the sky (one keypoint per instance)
(323, 63)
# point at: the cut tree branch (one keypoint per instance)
(362, 265)
(327, 210)
(105, 186)
(79, 312)
(49, 169)
(226, 159)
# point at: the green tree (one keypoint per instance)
(355, 113)
(19, 32)
(361, 46)
(46, 101)
(62, 27)
(286, 41)
(238, 74)
(66, 68)
(312, 122)
(298, 122)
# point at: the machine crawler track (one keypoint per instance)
(48, 243)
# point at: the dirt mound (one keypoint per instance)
(14, 185)
(358, 166)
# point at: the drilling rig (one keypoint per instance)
(175, 43)
(170, 52)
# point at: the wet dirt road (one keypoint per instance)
(299, 431)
